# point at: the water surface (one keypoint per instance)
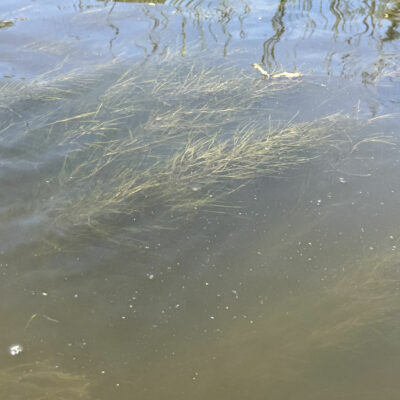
(176, 225)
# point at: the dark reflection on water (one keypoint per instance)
(346, 38)
(355, 28)
(349, 30)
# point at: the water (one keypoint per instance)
(175, 225)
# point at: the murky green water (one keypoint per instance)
(176, 224)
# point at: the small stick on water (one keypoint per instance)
(40, 315)
(284, 74)
(263, 72)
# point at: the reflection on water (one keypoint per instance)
(354, 28)
(174, 224)
(345, 38)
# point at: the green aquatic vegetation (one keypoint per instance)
(162, 138)
(6, 24)
(316, 329)
(362, 300)
(42, 381)
(200, 170)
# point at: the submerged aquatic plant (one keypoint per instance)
(312, 331)
(161, 138)
(41, 381)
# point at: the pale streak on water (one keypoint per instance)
(291, 295)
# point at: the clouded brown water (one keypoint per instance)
(272, 279)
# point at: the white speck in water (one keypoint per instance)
(342, 180)
(76, 296)
(151, 276)
(15, 349)
(44, 293)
